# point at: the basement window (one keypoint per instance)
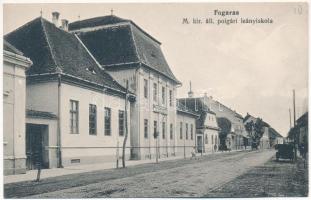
(73, 161)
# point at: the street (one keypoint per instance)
(176, 178)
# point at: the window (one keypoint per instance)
(163, 95)
(171, 131)
(186, 131)
(206, 139)
(146, 128)
(191, 129)
(216, 139)
(171, 97)
(107, 121)
(74, 117)
(155, 92)
(180, 134)
(163, 130)
(92, 119)
(212, 139)
(146, 88)
(155, 127)
(121, 123)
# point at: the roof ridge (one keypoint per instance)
(48, 42)
(5, 42)
(98, 28)
(135, 45)
(24, 25)
(145, 33)
(98, 65)
(102, 70)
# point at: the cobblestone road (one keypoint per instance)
(180, 178)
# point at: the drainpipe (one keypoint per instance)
(59, 143)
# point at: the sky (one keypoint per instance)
(250, 68)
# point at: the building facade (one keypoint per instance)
(135, 58)
(76, 112)
(186, 137)
(14, 98)
(235, 139)
(207, 137)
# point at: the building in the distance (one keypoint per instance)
(207, 130)
(270, 136)
(14, 100)
(237, 135)
(129, 54)
(275, 137)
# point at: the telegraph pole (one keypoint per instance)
(125, 122)
(290, 119)
(295, 136)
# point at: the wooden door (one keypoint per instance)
(33, 146)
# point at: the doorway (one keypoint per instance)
(36, 140)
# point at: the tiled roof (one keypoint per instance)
(198, 106)
(184, 109)
(51, 48)
(273, 133)
(9, 47)
(96, 21)
(122, 43)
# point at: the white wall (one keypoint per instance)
(211, 133)
(14, 96)
(82, 145)
(143, 109)
(42, 97)
(188, 143)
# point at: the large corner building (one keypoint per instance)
(87, 78)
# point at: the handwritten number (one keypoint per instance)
(298, 10)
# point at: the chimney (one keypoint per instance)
(65, 24)
(55, 16)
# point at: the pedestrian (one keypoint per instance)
(193, 154)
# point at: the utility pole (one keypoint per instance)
(125, 121)
(295, 136)
(290, 119)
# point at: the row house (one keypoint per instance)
(236, 138)
(186, 137)
(275, 137)
(207, 139)
(75, 110)
(130, 55)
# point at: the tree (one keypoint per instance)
(225, 128)
(255, 130)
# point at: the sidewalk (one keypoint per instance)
(74, 169)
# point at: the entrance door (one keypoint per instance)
(200, 144)
(34, 146)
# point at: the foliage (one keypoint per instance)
(255, 130)
(225, 128)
